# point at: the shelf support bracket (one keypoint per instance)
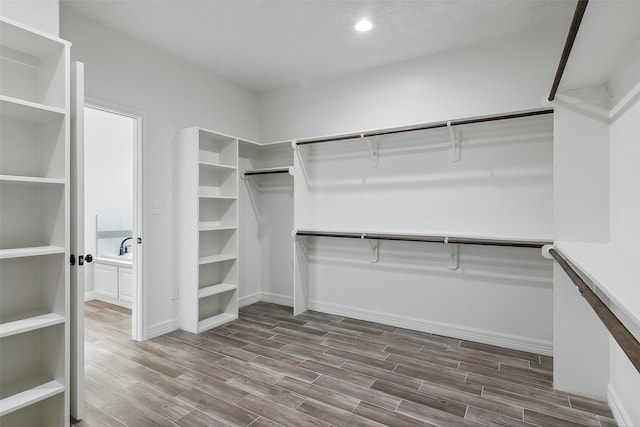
(454, 143)
(373, 150)
(454, 252)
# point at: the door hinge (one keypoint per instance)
(139, 240)
(72, 259)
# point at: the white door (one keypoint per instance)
(77, 404)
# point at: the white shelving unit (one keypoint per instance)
(34, 242)
(208, 228)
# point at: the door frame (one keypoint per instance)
(139, 318)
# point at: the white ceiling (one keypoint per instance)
(270, 44)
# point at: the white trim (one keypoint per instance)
(139, 303)
(265, 297)
(455, 331)
(619, 414)
(89, 296)
(277, 299)
(249, 299)
(163, 327)
(626, 101)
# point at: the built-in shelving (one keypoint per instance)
(34, 206)
(208, 228)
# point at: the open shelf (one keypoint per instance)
(217, 149)
(31, 251)
(27, 392)
(29, 322)
(217, 166)
(33, 214)
(42, 405)
(32, 179)
(32, 65)
(214, 193)
(215, 258)
(218, 211)
(216, 289)
(214, 226)
(32, 141)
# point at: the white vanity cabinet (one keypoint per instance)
(112, 282)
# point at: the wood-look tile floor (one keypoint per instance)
(270, 368)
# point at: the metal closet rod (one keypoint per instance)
(426, 238)
(426, 127)
(581, 6)
(628, 343)
(265, 172)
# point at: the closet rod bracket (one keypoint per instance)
(454, 252)
(454, 143)
(373, 149)
(374, 244)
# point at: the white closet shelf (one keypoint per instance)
(214, 226)
(31, 251)
(216, 258)
(32, 179)
(25, 392)
(28, 322)
(27, 110)
(213, 193)
(220, 288)
(215, 321)
(217, 165)
(614, 273)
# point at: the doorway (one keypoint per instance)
(112, 215)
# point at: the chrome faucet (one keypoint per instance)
(123, 248)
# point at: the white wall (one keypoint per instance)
(42, 15)
(624, 386)
(108, 164)
(502, 187)
(266, 222)
(503, 76)
(172, 95)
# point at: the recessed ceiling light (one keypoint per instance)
(364, 25)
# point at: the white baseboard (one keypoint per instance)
(266, 297)
(620, 415)
(89, 296)
(162, 328)
(249, 299)
(277, 299)
(454, 331)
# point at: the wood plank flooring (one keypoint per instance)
(270, 368)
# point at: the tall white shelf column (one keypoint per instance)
(207, 179)
(34, 225)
